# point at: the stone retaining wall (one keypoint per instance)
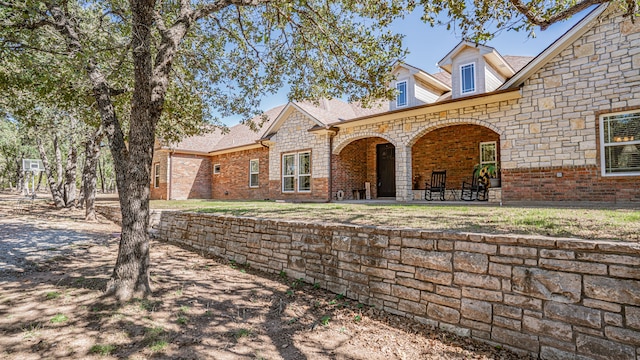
(553, 298)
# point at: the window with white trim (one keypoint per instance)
(620, 143)
(156, 175)
(296, 172)
(216, 168)
(488, 153)
(401, 98)
(467, 78)
(254, 171)
(304, 171)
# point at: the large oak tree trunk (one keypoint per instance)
(89, 174)
(131, 274)
(132, 163)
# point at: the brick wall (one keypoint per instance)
(569, 183)
(160, 192)
(319, 191)
(191, 177)
(355, 165)
(452, 148)
(553, 298)
(233, 180)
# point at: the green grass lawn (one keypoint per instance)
(605, 224)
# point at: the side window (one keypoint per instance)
(620, 143)
(254, 171)
(216, 168)
(156, 175)
(304, 171)
(288, 173)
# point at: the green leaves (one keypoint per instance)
(481, 20)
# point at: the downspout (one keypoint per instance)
(170, 175)
(330, 179)
(333, 131)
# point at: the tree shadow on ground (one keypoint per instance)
(200, 308)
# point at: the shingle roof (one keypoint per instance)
(443, 76)
(326, 111)
(200, 143)
(334, 110)
(242, 134)
(517, 62)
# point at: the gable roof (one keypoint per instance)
(554, 49)
(324, 113)
(424, 76)
(491, 55)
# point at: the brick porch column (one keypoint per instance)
(403, 173)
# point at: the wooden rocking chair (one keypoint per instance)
(437, 185)
(476, 189)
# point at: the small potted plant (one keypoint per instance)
(491, 172)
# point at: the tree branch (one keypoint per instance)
(529, 11)
(216, 6)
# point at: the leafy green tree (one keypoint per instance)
(147, 61)
(223, 55)
(15, 145)
(481, 20)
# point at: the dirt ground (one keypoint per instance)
(51, 305)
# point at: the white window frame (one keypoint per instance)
(472, 66)
(303, 175)
(295, 175)
(495, 153)
(616, 142)
(216, 169)
(156, 175)
(406, 93)
(251, 173)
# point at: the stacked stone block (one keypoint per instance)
(553, 298)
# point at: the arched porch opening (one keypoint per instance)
(366, 160)
(454, 148)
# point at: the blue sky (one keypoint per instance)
(427, 45)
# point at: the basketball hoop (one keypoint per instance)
(32, 166)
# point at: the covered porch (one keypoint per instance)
(398, 170)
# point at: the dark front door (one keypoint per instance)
(386, 168)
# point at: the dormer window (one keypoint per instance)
(467, 78)
(401, 98)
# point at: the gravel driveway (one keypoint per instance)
(29, 236)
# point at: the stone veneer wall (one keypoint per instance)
(553, 298)
(552, 128)
(293, 136)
